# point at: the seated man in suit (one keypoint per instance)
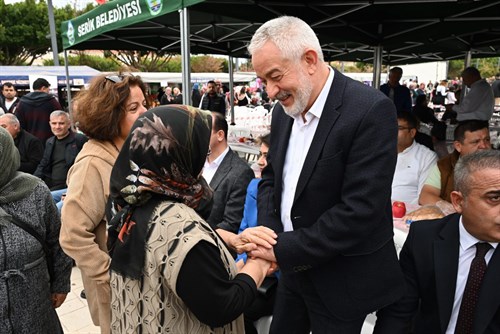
(228, 175)
(452, 265)
(30, 147)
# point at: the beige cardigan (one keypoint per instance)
(83, 230)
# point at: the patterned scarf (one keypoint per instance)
(161, 159)
(14, 185)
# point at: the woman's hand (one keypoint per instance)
(249, 239)
(58, 299)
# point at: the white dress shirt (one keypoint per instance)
(210, 168)
(412, 169)
(477, 104)
(298, 145)
(467, 252)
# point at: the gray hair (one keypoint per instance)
(11, 118)
(57, 113)
(477, 161)
(291, 35)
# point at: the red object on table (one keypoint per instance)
(398, 209)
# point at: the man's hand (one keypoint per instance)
(58, 299)
(424, 212)
(263, 253)
(249, 239)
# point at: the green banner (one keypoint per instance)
(116, 14)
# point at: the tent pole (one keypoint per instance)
(231, 89)
(68, 87)
(377, 66)
(185, 56)
(467, 62)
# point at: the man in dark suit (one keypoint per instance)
(228, 175)
(327, 186)
(399, 94)
(438, 259)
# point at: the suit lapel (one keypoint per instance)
(489, 296)
(325, 125)
(446, 251)
(222, 170)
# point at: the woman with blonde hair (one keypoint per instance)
(105, 112)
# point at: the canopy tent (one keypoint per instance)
(173, 77)
(19, 75)
(408, 31)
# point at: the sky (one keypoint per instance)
(79, 4)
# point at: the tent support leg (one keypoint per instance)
(68, 87)
(185, 56)
(377, 66)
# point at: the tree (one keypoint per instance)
(80, 58)
(143, 61)
(206, 64)
(24, 27)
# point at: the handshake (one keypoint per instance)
(257, 242)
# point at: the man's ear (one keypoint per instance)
(413, 132)
(457, 145)
(311, 59)
(458, 200)
(220, 135)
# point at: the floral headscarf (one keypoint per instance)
(161, 159)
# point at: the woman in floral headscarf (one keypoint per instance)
(169, 269)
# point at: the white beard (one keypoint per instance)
(300, 99)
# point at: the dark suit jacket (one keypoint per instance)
(402, 96)
(30, 149)
(229, 184)
(341, 212)
(429, 260)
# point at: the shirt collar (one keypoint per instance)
(317, 108)
(408, 149)
(217, 161)
(467, 240)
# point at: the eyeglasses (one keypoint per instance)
(114, 78)
(404, 128)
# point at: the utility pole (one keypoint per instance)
(53, 36)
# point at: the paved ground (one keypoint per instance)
(75, 317)
(73, 313)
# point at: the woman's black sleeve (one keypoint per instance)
(204, 286)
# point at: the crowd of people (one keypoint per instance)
(173, 232)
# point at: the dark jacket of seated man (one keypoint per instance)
(229, 184)
(73, 144)
(30, 149)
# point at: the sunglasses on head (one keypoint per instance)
(115, 78)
